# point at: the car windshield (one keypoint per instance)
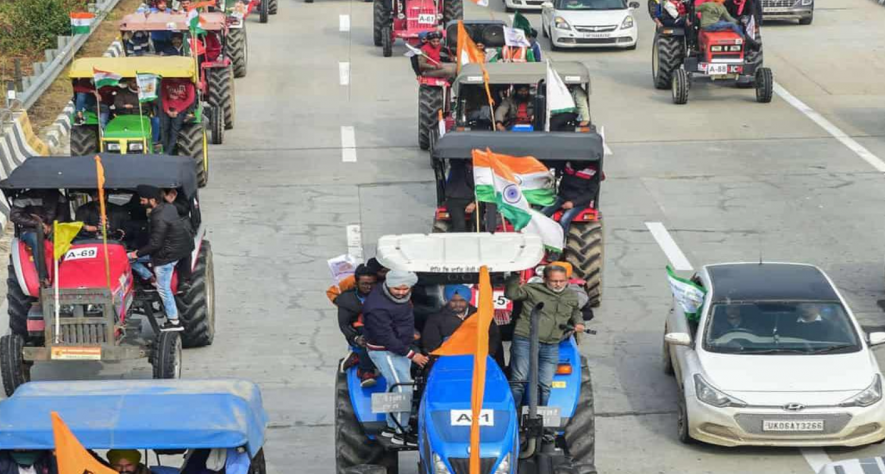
(590, 4)
(780, 328)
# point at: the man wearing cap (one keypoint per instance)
(430, 62)
(442, 325)
(127, 461)
(27, 461)
(561, 310)
(169, 242)
(390, 335)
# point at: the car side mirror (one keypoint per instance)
(877, 338)
(547, 5)
(677, 339)
(633, 5)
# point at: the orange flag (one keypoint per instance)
(71, 456)
(208, 3)
(99, 174)
(466, 49)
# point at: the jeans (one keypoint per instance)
(395, 369)
(567, 216)
(155, 129)
(724, 25)
(365, 362)
(84, 101)
(30, 239)
(164, 282)
(170, 127)
(139, 267)
(520, 353)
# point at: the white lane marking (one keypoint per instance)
(606, 150)
(348, 144)
(344, 73)
(668, 245)
(833, 130)
(343, 23)
(815, 457)
(355, 241)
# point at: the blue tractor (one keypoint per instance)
(556, 439)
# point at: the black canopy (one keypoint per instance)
(549, 146)
(121, 172)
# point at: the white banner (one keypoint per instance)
(515, 37)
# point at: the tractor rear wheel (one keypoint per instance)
(238, 50)
(196, 307)
(352, 446)
(764, 85)
(430, 101)
(166, 356)
(84, 140)
(652, 8)
(192, 143)
(386, 42)
(666, 56)
(680, 87)
(584, 249)
(222, 95)
(262, 11)
(272, 7)
(379, 19)
(453, 10)
(580, 432)
(217, 122)
(18, 304)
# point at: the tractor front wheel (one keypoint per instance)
(666, 57)
(84, 140)
(262, 11)
(386, 41)
(681, 84)
(652, 8)
(166, 356)
(352, 446)
(273, 7)
(238, 49)
(379, 19)
(764, 85)
(13, 368)
(584, 249)
(580, 432)
(192, 143)
(18, 303)
(196, 306)
(222, 95)
(217, 123)
(430, 102)
(453, 10)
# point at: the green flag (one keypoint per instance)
(688, 294)
(147, 86)
(522, 23)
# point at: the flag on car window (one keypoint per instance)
(105, 78)
(81, 22)
(147, 86)
(689, 295)
(496, 183)
(559, 99)
(70, 455)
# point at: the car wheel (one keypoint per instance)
(666, 360)
(682, 421)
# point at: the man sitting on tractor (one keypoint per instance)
(85, 100)
(518, 109)
(460, 195)
(38, 208)
(350, 321)
(22, 461)
(430, 62)
(176, 46)
(561, 309)
(126, 100)
(177, 97)
(577, 189)
(90, 215)
(670, 13)
(127, 461)
(442, 325)
(137, 43)
(714, 17)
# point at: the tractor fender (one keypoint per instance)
(567, 387)
(361, 400)
(25, 269)
(200, 234)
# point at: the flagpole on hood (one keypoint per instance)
(99, 173)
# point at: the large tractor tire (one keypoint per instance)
(273, 6)
(222, 95)
(453, 10)
(584, 249)
(166, 356)
(764, 85)
(196, 307)
(263, 11)
(238, 50)
(580, 432)
(352, 446)
(13, 368)
(18, 304)
(430, 101)
(84, 140)
(216, 122)
(387, 41)
(666, 56)
(379, 19)
(192, 142)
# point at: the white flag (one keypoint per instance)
(412, 51)
(559, 99)
(689, 295)
(515, 37)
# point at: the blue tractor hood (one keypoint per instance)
(445, 415)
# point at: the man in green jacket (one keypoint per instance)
(714, 17)
(561, 308)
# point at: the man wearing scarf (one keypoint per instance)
(443, 324)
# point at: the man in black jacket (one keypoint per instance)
(169, 242)
(350, 321)
(460, 197)
(577, 189)
(458, 309)
(90, 215)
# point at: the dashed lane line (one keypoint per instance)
(816, 458)
(344, 73)
(348, 144)
(343, 23)
(677, 259)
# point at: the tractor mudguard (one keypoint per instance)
(567, 387)
(26, 269)
(361, 400)
(671, 31)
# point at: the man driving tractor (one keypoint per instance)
(518, 109)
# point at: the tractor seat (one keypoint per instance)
(708, 37)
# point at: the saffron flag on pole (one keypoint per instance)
(99, 178)
(105, 78)
(467, 51)
(495, 182)
(71, 456)
(535, 180)
(559, 99)
(81, 22)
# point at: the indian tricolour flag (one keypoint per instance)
(195, 22)
(496, 183)
(534, 179)
(81, 22)
(559, 99)
(105, 78)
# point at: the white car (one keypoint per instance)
(589, 23)
(776, 358)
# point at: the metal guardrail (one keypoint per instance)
(46, 72)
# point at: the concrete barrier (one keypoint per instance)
(17, 142)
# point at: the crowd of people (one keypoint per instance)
(739, 16)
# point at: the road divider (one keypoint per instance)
(678, 260)
(348, 144)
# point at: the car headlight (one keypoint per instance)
(439, 467)
(136, 146)
(113, 147)
(627, 23)
(712, 396)
(805, 3)
(867, 396)
(504, 466)
(560, 24)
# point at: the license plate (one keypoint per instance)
(789, 425)
(596, 35)
(427, 19)
(717, 69)
(775, 10)
(76, 353)
(498, 298)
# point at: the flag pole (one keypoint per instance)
(150, 141)
(99, 172)
(55, 259)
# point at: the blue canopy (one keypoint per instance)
(137, 414)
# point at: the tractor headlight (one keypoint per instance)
(716, 49)
(560, 24)
(712, 396)
(113, 147)
(867, 396)
(734, 48)
(439, 466)
(627, 23)
(136, 146)
(504, 466)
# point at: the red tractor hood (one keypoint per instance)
(83, 266)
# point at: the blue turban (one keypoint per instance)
(452, 290)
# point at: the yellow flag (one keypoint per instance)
(62, 235)
(71, 456)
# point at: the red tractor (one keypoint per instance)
(407, 19)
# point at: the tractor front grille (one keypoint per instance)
(414, 14)
(76, 333)
(462, 465)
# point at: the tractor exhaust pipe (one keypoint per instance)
(536, 427)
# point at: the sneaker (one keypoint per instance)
(400, 439)
(367, 379)
(172, 325)
(389, 432)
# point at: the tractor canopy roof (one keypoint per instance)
(572, 72)
(545, 146)
(460, 252)
(120, 171)
(173, 21)
(137, 414)
(165, 66)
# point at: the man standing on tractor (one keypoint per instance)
(577, 189)
(460, 195)
(176, 46)
(430, 62)
(390, 336)
(177, 97)
(458, 309)
(169, 242)
(350, 321)
(518, 109)
(561, 309)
